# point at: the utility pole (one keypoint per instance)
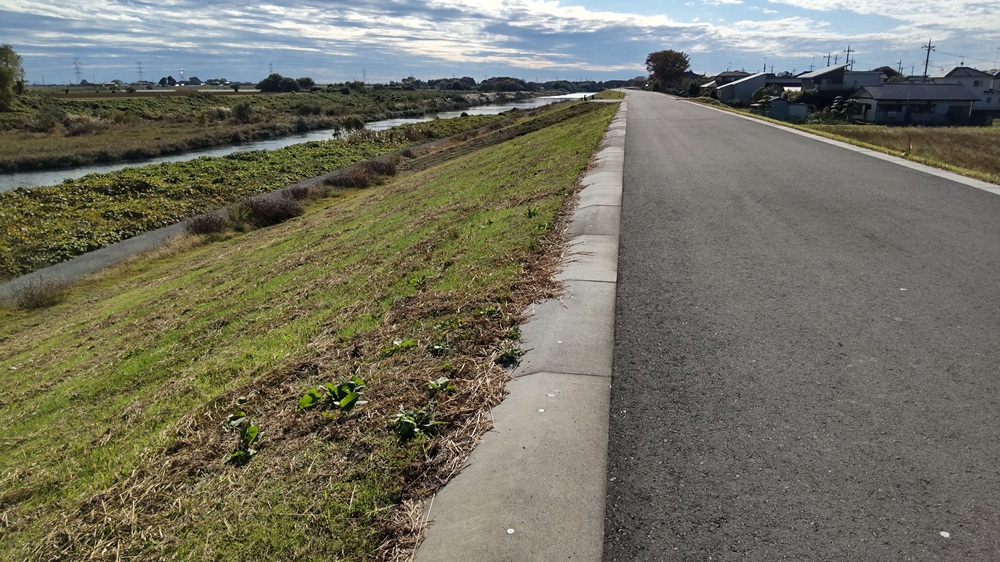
(900, 68)
(927, 61)
(828, 57)
(836, 59)
(848, 60)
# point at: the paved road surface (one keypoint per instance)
(806, 365)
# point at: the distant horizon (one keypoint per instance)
(379, 41)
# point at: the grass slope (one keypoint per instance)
(112, 446)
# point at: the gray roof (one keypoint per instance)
(962, 72)
(742, 80)
(927, 91)
(822, 71)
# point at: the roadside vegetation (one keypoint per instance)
(41, 226)
(292, 392)
(970, 151)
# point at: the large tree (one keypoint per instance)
(11, 77)
(667, 67)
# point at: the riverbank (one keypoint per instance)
(54, 133)
(47, 225)
(420, 281)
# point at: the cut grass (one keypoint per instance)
(112, 446)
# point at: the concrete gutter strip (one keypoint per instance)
(534, 489)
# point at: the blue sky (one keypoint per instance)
(384, 40)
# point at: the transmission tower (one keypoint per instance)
(78, 70)
(138, 66)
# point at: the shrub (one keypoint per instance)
(365, 174)
(265, 211)
(298, 193)
(40, 293)
(211, 223)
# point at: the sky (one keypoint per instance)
(536, 40)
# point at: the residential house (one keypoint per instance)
(723, 79)
(838, 80)
(779, 108)
(909, 103)
(741, 91)
(978, 82)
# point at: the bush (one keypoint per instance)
(40, 293)
(261, 212)
(211, 223)
(298, 193)
(365, 174)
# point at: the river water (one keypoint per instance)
(52, 177)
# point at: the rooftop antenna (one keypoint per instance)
(78, 70)
(927, 61)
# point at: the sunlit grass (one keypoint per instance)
(113, 398)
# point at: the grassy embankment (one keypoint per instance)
(46, 225)
(114, 399)
(970, 151)
(48, 131)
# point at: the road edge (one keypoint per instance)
(535, 487)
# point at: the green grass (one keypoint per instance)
(45, 225)
(111, 442)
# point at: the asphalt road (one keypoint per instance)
(806, 362)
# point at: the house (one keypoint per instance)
(741, 91)
(837, 79)
(784, 110)
(909, 103)
(978, 82)
(722, 79)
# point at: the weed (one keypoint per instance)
(397, 346)
(249, 434)
(40, 293)
(408, 424)
(531, 213)
(441, 384)
(342, 397)
(509, 357)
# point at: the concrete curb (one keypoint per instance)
(534, 489)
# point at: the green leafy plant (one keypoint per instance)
(342, 397)
(249, 434)
(408, 424)
(442, 384)
(399, 345)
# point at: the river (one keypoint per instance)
(52, 177)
